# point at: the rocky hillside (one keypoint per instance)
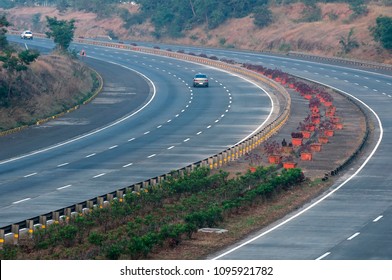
(287, 33)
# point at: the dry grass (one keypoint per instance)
(50, 86)
(316, 37)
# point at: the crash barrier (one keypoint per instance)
(365, 137)
(351, 62)
(12, 233)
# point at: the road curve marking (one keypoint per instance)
(97, 130)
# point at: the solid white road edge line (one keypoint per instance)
(330, 193)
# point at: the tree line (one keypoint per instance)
(173, 17)
(14, 61)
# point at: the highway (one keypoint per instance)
(351, 221)
(156, 122)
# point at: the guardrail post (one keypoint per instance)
(42, 221)
(137, 188)
(2, 238)
(220, 160)
(67, 213)
(146, 184)
(246, 149)
(15, 234)
(109, 197)
(90, 204)
(253, 142)
(129, 189)
(224, 158)
(235, 153)
(211, 163)
(30, 226)
(120, 196)
(78, 208)
(100, 202)
(56, 217)
(215, 160)
(153, 182)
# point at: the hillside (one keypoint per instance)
(51, 85)
(286, 33)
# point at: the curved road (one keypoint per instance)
(354, 220)
(170, 125)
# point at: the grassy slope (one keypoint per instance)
(51, 85)
(317, 37)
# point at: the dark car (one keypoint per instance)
(200, 80)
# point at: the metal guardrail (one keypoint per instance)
(352, 62)
(12, 232)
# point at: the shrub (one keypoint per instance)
(349, 43)
(67, 234)
(382, 32)
(96, 238)
(262, 16)
(114, 251)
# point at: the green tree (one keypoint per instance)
(262, 16)
(358, 7)
(382, 32)
(3, 39)
(61, 31)
(14, 64)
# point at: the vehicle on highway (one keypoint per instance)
(27, 34)
(200, 80)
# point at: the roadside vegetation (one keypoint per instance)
(157, 218)
(349, 28)
(34, 87)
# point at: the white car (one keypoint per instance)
(200, 80)
(27, 34)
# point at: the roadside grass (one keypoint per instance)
(52, 85)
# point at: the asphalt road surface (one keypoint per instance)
(156, 122)
(353, 221)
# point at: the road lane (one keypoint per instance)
(180, 125)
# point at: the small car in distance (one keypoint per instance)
(200, 80)
(27, 34)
